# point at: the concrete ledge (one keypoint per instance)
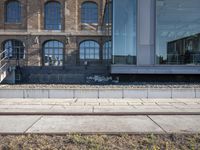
(61, 93)
(183, 93)
(135, 93)
(86, 93)
(101, 93)
(11, 93)
(36, 93)
(197, 91)
(159, 93)
(111, 93)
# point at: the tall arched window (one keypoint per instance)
(89, 12)
(53, 53)
(89, 50)
(14, 49)
(13, 11)
(52, 16)
(107, 51)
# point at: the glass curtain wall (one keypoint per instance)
(124, 31)
(178, 32)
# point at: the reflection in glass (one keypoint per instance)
(89, 12)
(178, 32)
(14, 49)
(53, 53)
(53, 16)
(89, 50)
(124, 31)
(13, 12)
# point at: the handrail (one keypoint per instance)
(1, 60)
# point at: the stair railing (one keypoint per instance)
(3, 62)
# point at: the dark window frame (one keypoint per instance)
(14, 49)
(56, 53)
(52, 8)
(89, 15)
(13, 15)
(93, 49)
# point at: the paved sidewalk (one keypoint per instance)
(99, 106)
(91, 116)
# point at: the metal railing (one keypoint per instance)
(3, 61)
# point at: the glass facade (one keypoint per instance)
(52, 16)
(124, 31)
(13, 12)
(53, 53)
(178, 32)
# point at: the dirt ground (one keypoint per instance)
(100, 142)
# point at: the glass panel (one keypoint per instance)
(14, 49)
(89, 12)
(124, 32)
(178, 32)
(89, 50)
(53, 16)
(53, 53)
(13, 12)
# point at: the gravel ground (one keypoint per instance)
(100, 142)
(121, 85)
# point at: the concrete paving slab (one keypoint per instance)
(150, 104)
(19, 124)
(135, 104)
(178, 124)
(157, 100)
(78, 104)
(121, 104)
(95, 124)
(106, 104)
(71, 109)
(105, 109)
(92, 104)
(92, 100)
(25, 106)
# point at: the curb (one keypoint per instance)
(95, 114)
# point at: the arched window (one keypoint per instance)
(14, 49)
(107, 51)
(89, 12)
(53, 53)
(13, 11)
(52, 16)
(89, 50)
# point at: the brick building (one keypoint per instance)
(55, 40)
(66, 41)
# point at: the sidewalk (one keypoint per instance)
(96, 116)
(99, 106)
